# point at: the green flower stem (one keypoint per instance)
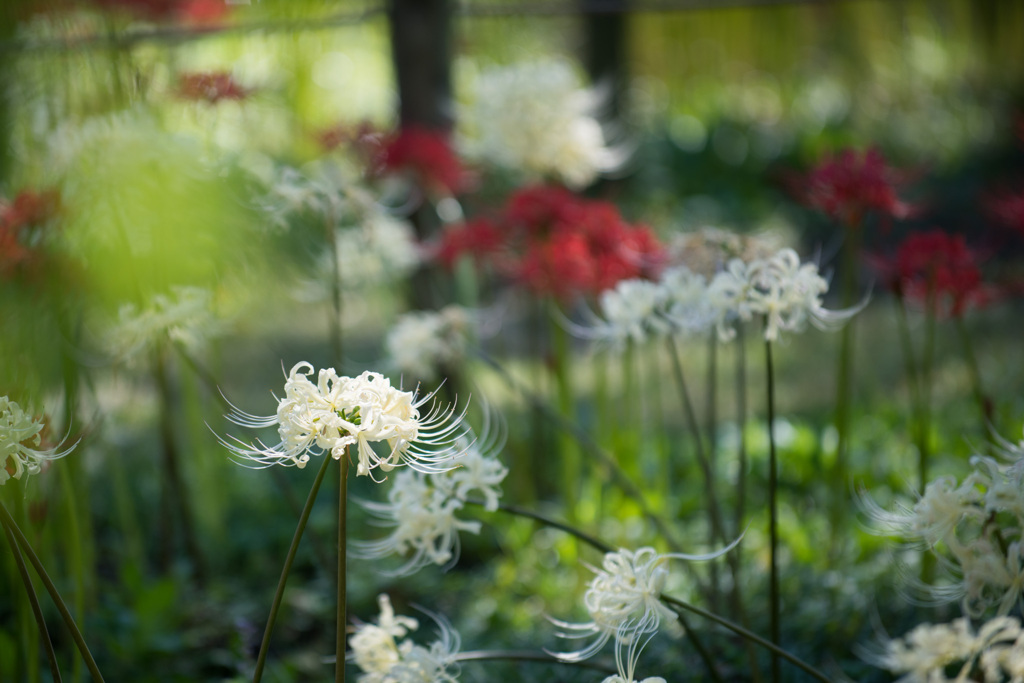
(613, 471)
(175, 485)
(773, 521)
(334, 322)
(844, 381)
(12, 528)
(33, 600)
(714, 515)
(339, 666)
(568, 449)
(603, 547)
(972, 364)
(261, 659)
(548, 521)
(749, 635)
(527, 656)
(736, 556)
(925, 414)
(76, 551)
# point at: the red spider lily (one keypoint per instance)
(210, 86)
(481, 238)
(426, 155)
(22, 222)
(1007, 209)
(935, 268)
(195, 12)
(847, 186)
(557, 243)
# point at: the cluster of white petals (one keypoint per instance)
(423, 342)
(385, 655)
(778, 288)
(536, 119)
(20, 441)
(186, 315)
(785, 292)
(378, 249)
(931, 651)
(338, 412)
(421, 511)
(975, 527)
(624, 602)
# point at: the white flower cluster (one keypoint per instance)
(785, 292)
(624, 602)
(186, 316)
(421, 510)
(994, 654)
(379, 248)
(20, 438)
(338, 412)
(536, 119)
(976, 527)
(385, 655)
(422, 342)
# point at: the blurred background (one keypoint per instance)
(186, 186)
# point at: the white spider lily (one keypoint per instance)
(384, 659)
(338, 412)
(421, 511)
(624, 601)
(20, 438)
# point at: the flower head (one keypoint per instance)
(787, 293)
(23, 228)
(536, 119)
(184, 315)
(847, 185)
(383, 658)
(924, 654)
(338, 412)
(210, 87)
(422, 508)
(423, 342)
(937, 270)
(425, 155)
(624, 601)
(21, 436)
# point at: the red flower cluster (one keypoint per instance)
(846, 186)
(21, 224)
(1007, 209)
(557, 243)
(210, 86)
(202, 12)
(937, 267)
(426, 155)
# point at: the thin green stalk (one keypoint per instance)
(924, 415)
(714, 514)
(526, 656)
(33, 600)
(175, 483)
(261, 659)
(334, 322)
(844, 381)
(74, 540)
(773, 522)
(749, 635)
(710, 386)
(339, 666)
(568, 450)
(976, 387)
(9, 524)
(736, 556)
